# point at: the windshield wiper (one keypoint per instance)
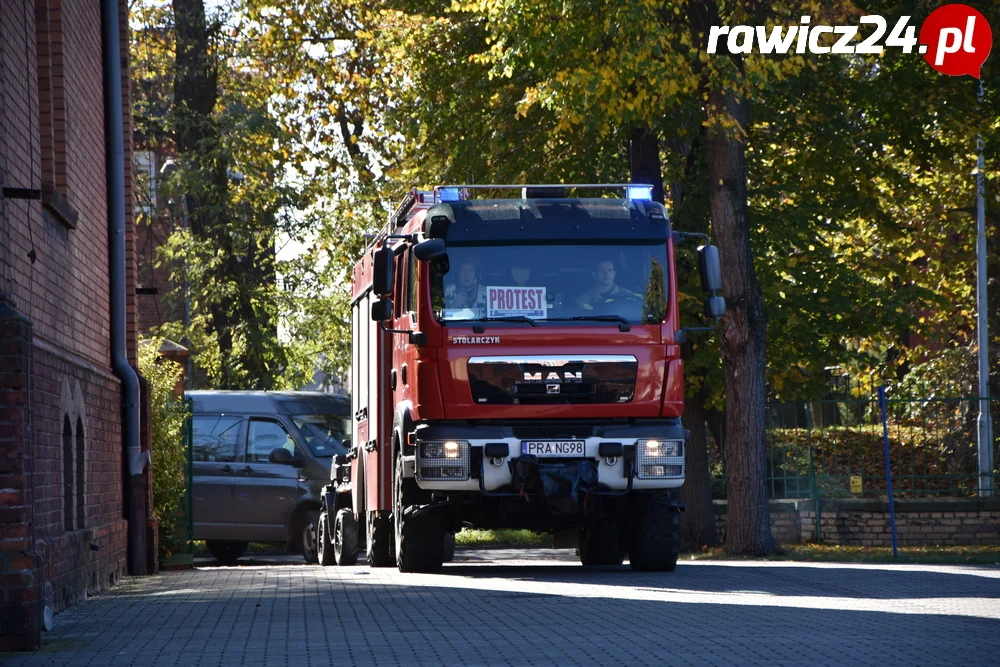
(623, 324)
(513, 318)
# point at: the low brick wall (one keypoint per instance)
(861, 522)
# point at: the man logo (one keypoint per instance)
(568, 376)
(553, 388)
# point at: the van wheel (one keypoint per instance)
(420, 539)
(381, 547)
(600, 544)
(345, 538)
(226, 552)
(325, 545)
(310, 539)
(656, 536)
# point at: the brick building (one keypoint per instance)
(72, 508)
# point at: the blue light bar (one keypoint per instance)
(449, 194)
(639, 192)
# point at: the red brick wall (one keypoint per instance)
(19, 564)
(153, 309)
(55, 319)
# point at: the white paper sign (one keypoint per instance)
(502, 301)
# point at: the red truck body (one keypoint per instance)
(518, 365)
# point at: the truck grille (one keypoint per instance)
(552, 380)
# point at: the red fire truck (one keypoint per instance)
(516, 364)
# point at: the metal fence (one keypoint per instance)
(833, 448)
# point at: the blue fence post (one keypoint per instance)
(888, 468)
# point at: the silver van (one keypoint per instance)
(259, 463)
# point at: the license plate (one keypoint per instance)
(553, 448)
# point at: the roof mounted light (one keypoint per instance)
(450, 194)
(639, 192)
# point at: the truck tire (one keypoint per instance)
(325, 544)
(310, 537)
(381, 546)
(225, 551)
(600, 544)
(449, 547)
(420, 539)
(656, 535)
(345, 538)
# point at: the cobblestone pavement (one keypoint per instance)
(536, 608)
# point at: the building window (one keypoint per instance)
(53, 111)
(67, 474)
(81, 480)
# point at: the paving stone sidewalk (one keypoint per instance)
(536, 608)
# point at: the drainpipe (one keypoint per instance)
(114, 148)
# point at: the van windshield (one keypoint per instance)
(323, 434)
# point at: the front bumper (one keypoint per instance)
(498, 475)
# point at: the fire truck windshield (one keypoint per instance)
(553, 282)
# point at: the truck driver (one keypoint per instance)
(604, 288)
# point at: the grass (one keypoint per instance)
(830, 553)
(818, 553)
(470, 537)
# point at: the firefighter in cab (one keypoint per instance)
(467, 292)
(605, 289)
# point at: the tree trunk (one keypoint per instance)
(698, 522)
(644, 161)
(200, 148)
(748, 521)
(748, 524)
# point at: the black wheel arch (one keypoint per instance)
(295, 519)
(402, 423)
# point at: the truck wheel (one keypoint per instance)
(325, 546)
(419, 540)
(656, 536)
(310, 537)
(345, 538)
(600, 544)
(381, 547)
(449, 547)
(226, 552)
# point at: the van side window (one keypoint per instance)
(266, 436)
(214, 438)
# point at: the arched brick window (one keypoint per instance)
(81, 479)
(68, 476)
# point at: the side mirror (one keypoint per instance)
(429, 250)
(383, 273)
(382, 310)
(285, 457)
(710, 269)
(441, 266)
(715, 307)
(347, 443)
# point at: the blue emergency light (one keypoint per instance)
(449, 194)
(639, 192)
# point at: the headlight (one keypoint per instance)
(660, 458)
(443, 460)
